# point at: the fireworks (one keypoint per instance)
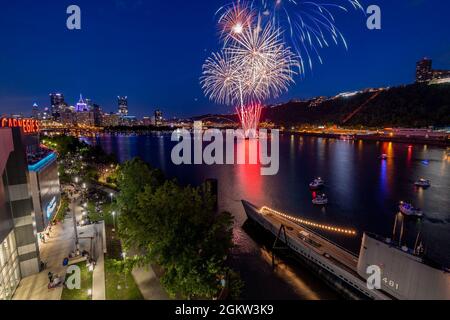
(254, 65)
(235, 19)
(249, 117)
(311, 26)
(221, 79)
(267, 66)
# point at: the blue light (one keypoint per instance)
(42, 163)
(51, 208)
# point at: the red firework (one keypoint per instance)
(249, 116)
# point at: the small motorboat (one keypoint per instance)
(409, 210)
(321, 200)
(422, 183)
(316, 184)
(384, 156)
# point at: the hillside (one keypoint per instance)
(407, 106)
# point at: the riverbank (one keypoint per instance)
(375, 137)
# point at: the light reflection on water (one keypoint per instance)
(364, 190)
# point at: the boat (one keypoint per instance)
(409, 210)
(317, 184)
(422, 183)
(347, 272)
(384, 156)
(321, 199)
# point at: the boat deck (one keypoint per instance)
(335, 254)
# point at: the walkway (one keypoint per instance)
(56, 248)
(149, 284)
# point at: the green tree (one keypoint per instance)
(177, 228)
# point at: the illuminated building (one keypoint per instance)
(44, 184)
(68, 117)
(128, 121)
(81, 105)
(19, 250)
(35, 111)
(158, 118)
(123, 106)
(425, 72)
(57, 104)
(198, 125)
(85, 118)
(109, 120)
(147, 121)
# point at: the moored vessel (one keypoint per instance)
(404, 274)
(409, 210)
(316, 184)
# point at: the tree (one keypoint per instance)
(175, 227)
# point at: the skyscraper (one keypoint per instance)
(424, 71)
(158, 118)
(35, 111)
(57, 104)
(81, 105)
(123, 106)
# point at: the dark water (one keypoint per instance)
(364, 192)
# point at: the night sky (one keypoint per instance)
(153, 51)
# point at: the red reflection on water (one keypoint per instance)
(409, 156)
(249, 176)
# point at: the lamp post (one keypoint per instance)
(114, 220)
(74, 218)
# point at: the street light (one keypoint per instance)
(114, 219)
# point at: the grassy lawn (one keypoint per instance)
(86, 284)
(119, 285)
(105, 213)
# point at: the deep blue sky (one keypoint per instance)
(152, 51)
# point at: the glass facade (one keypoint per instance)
(9, 267)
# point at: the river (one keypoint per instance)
(364, 193)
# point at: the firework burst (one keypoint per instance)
(310, 25)
(255, 66)
(221, 79)
(267, 65)
(234, 19)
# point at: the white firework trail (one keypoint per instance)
(254, 67)
(311, 25)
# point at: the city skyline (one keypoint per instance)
(148, 58)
